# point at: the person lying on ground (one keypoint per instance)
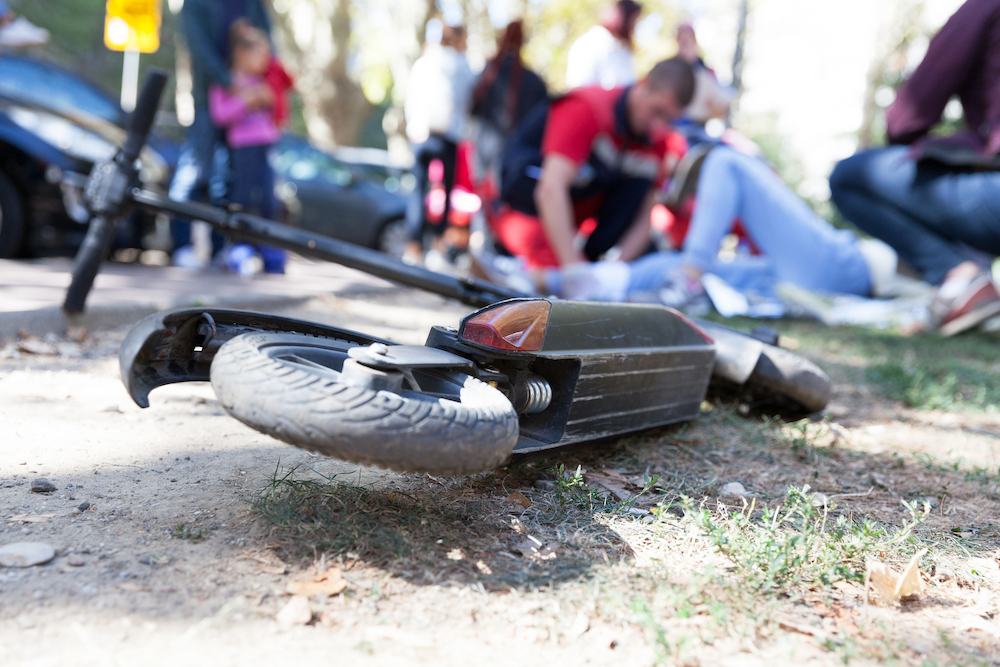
(567, 164)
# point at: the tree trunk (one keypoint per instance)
(334, 106)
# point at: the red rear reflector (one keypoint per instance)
(518, 326)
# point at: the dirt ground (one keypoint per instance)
(196, 525)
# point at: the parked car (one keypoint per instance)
(54, 124)
(355, 195)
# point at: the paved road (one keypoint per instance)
(32, 291)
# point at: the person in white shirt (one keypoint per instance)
(602, 56)
(438, 99)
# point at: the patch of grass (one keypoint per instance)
(342, 519)
(980, 474)
(924, 371)
(183, 531)
(419, 530)
(572, 488)
(798, 543)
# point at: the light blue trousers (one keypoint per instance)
(797, 245)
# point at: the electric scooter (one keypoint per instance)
(522, 373)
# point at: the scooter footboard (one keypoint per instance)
(179, 345)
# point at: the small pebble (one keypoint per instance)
(84, 506)
(734, 489)
(75, 560)
(545, 485)
(42, 485)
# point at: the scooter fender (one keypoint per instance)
(178, 345)
(736, 354)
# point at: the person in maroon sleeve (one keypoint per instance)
(937, 200)
(593, 154)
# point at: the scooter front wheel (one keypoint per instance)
(292, 387)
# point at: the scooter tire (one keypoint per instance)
(791, 380)
(273, 383)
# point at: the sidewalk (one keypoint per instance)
(32, 291)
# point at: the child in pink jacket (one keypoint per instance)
(245, 111)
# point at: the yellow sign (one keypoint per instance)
(133, 25)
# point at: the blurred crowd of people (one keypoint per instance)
(625, 187)
(620, 189)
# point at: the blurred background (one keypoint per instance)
(813, 77)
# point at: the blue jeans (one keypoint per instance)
(198, 176)
(797, 245)
(925, 211)
(253, 189)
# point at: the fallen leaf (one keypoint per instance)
(532, 547)
(973, 622)
(267, 565)
(518, 498)
(133, 587)
(30, 518)
(328, 583)
(455, 554)
(891, 586)
(615, 484)
(792, 626)
(483, 567)
(296, 612)
(38, 346)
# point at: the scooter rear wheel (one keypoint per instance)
(291, 387)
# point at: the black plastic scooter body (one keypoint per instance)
(612, 368)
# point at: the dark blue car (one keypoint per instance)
(54, 125)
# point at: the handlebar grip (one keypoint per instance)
(144, 114)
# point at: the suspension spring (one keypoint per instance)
(539, 395)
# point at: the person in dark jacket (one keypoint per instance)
(937, 201)
(206, 25)
(504, 94)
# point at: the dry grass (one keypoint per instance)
(635, 533)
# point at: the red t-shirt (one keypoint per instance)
(588, 126)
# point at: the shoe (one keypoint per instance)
(684, 182)
(187, 258)
(682, 292)
(962, 303)
(243, 259)
(22, 33)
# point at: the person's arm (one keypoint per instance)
(226, 108)
(196, 21)
(952, 55)
(555, 207)
(636, 239)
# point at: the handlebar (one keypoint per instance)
(144, 114)
(106, 193)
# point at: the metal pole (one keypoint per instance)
(130, 79)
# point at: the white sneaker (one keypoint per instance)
(22, 33)
(187, 258)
